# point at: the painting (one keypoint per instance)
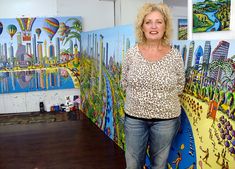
(102, 97)
(38, 54)
(208, 105)
(211, 15)
(182, 29)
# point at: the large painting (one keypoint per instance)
(101, 94)
(39, 53)
(208, 105)
(211, 15)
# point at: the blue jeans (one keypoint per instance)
(157, 134)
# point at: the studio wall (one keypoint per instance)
(207, 137)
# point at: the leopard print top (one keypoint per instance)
(152, 87)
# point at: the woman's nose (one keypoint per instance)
(153, 25)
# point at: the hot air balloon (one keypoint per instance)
(26, 26)
(51, 25)
(11, 29)
(1, 28)
(38, 32)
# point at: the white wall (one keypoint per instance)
(126, 10)
(96, 14)
(25, 8)
(212, 35)
(178, 13)
(29, 101)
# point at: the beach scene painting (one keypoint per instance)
(207, 136)
(211, 15)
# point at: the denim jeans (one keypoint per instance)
(157, 134)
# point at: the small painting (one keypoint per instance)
(182, 29)
(211, 15)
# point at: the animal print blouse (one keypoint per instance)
(152, 87)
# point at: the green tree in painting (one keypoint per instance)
(74, 30)
(220, 65)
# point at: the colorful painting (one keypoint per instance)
(206, 138)
(101, 94)
(182, 29)
(207, 134)
(211, 15)
(39, 54)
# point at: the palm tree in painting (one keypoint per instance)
(220, 66)
(202, 68)
(229, 80)
(74, 30)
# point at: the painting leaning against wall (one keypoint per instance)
(209, 104)
(209, 16)
(38, 54)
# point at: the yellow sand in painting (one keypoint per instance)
(206, 135)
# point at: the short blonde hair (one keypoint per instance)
(145, 10)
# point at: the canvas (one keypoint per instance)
(210, 15)
(39, 53)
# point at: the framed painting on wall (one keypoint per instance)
(182, 29)
(210, 16)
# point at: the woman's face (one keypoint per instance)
(153, 26)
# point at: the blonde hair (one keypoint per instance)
(145, 10)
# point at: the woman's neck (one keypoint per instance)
(153, 45)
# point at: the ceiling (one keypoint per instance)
(171, 3)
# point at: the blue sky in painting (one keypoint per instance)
(114, 38)
(214, 44)
(195, 1)
(182, 21)
(38, 23)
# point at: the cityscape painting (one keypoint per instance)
(102, 97)
(39, 53)
(208, 103)
(211, 15)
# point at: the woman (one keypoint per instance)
(153, 78)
